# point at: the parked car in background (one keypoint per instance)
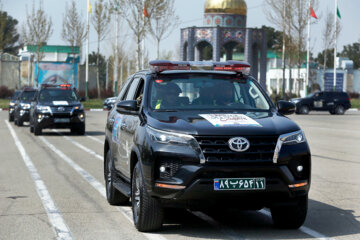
(12, 105)
(57, 106)
(109, 103)
(334, 102)
(22, 106)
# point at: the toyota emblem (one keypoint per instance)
(239, 144)
(61, 109)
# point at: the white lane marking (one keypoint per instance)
(95, 139)
(228, 232)
(55, 218)
(304, 229)
(81, 146)
(126, 211)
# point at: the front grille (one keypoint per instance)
(216, 149)
(171, 167)
(66, 109)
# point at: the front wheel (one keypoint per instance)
(31, 126)
(290, 217)
(339, 110)
(147, 211)
(11, 118)
(37, 129)
(304, 110)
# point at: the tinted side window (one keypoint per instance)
(133, 87)
(124, 89)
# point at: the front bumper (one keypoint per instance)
(60, 120)
(24, 115)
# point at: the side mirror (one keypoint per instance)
(285, 107)
(82, 99)
(127, 107)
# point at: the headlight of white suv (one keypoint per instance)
(175, 139)
(288, 139)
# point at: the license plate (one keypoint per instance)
(239, 184)
(61, 120)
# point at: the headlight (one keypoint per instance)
(81, 107)
(295, 101)
(175, 139)
(288, 139)
(25, 105)
(12, 104)
(43, 109)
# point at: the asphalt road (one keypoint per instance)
(52, 187)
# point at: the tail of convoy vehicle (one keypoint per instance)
(204, 135)
(57, 106)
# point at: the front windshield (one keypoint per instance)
(48, 95)
(206, 92)
(27, 96)
(16, 94)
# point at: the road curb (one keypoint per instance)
(354, 109)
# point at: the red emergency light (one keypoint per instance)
(164, 65)
(234, 66)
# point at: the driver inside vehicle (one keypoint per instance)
(226, 95)
(168, 96)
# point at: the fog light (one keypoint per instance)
(162, 169)
(22, 112)
(300, 168)
(39, 116)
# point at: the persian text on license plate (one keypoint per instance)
(239, 184)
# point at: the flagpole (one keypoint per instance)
(116, 51)
(308, 52)
(87, 53)
(335, 76)
(283, 50)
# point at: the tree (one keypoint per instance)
(73, 31)
(328, 37)
(352, 51)
(36, 31)
(163, 22)
(274, 38)
(100, 21)
(8, 34)
(329, 55)
(137, 14)
(100, 61)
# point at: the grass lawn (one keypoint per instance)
(4, 103)
(355, 103)
(91, 103)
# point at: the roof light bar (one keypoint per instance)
(234, 66)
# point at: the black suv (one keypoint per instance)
(57, 106)
(22, 106)
(12, 105)
(204, 139)
(334, 102)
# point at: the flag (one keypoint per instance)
(312, 13)
(146, 14)
(338, 12)
(89, 6)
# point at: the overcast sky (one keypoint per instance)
(191, 14)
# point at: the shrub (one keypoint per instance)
(354, 95)
(5, 92)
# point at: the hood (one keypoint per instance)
(253, 123)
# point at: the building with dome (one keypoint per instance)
(224, 36)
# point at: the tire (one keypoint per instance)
(339, 110)
(11, 118)
(31, 126)
(113, 196)
(79, 129)
(290, 217)
(332, 111)
(37, 130)
(147, 211)
(304, 109)
(20, 123)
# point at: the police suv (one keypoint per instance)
(57, 106)
(204, 135)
